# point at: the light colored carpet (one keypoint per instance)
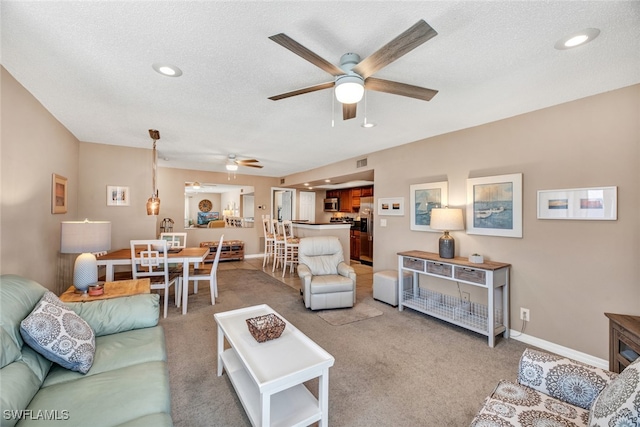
(398, 369)
(343, 316)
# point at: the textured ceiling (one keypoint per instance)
(89, 63)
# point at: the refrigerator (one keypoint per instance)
(366, 230)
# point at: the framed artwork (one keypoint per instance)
(423, 198)
(595, 203)
(205, 217)
(391, 206)
(117, 196)
(58, 194)
(494, 205)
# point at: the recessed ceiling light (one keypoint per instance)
(167, 70)
(327, 180)
(577, 39)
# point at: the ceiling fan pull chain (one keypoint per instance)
(333, 110)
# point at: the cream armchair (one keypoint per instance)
(326, 281)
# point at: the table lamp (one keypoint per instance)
(85, 237)
(446, 219)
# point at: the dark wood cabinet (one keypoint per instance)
(333, 194)
(355, 199)
(624, 340)
(367, 192)
(354, 245)
(345, 200)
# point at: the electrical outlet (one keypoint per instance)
(465, 297)
(524, 314)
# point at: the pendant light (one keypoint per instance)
(153, 204)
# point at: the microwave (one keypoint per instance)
(331, 205)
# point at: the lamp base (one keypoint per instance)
(85, 272)
(446, 246)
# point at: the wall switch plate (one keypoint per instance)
(383, 223)
(465, 296)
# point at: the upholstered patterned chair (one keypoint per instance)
(326, 281)
(555, 391)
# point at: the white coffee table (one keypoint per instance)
(268, 377)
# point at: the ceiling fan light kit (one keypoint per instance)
(349, 88)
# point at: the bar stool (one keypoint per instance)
(278, 246)
(291, 244)
(269, 240)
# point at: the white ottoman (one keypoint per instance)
(385, 285)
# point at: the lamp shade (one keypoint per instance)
(349, 89)
(446, 219)
(85, 237)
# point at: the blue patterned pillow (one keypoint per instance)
(618, 405)
(59, 334)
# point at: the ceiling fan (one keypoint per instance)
(354, 76)
(233, 162)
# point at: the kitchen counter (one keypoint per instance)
(339, 229)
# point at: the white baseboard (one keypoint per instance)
(558, 349)
(254, 256)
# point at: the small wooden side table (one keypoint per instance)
(624, 340)
(120, 288)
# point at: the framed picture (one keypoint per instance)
(391, 206)
(494, 205)
(595, 203)
(117, 196)
(205, 217)
(58, 194)
(423, 198)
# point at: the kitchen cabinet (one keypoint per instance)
(355, 244)
(355, 199)
(367, 191)
(345, 200)
(333, 194)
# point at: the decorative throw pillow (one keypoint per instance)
(59, 334)
(618, 405)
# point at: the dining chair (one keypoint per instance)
(291, 244)
(149, 260)
(210, 274)
(175, 240)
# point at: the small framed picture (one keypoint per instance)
(391, 206)
(58, 194)
(595, 203)
(117, 196)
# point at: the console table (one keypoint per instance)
(488, 319)
(268, 377)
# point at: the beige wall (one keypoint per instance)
(34, 145)
(568, 273)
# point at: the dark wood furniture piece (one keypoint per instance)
(231, 249)
(624, 340)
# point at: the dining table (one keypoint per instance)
(185, 257)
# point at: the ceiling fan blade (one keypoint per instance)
(397, 88)
(249, 165)
(303, 91)
(348, 111)
(295, 47)
(247, 161)
(404, 43)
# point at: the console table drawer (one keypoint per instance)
(439, 269)
(413, 263)
(470, 275)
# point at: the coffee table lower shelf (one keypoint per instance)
(294, 406)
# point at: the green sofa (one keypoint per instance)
(127, 385)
